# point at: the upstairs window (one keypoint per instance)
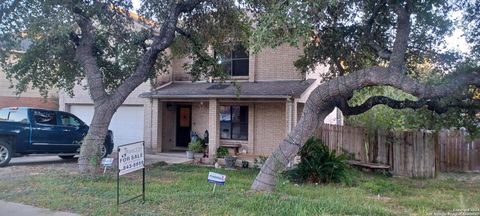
(235, 62)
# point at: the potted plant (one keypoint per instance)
(245, 164)
(230, 161)
(222, 152)
(195, 146)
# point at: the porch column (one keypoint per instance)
(213, 128)
(159, 132)
(251, 128)
(289, 115)
(151, 122)
(295, 113)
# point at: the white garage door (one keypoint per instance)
(127, 123)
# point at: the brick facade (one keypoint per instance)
(30, 98)
(269, 120)
(275, 64)
(28, 102)
(270, 126)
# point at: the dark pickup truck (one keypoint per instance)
(26, 131)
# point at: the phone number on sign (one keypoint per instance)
(132, 165)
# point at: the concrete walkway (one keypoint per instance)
(10, 209)
(168, 157)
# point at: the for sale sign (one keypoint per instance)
(131, 157)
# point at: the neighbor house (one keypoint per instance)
(127, 122)
(29, 98)
(251, 116)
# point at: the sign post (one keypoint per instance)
(131, 157)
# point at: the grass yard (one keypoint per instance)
(183, 190)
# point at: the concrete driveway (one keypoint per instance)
(38, 164)
(34, 165)
(38, 160)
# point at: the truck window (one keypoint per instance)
(45, 117)
(13, 115)
(18, 116)
(3, 114)
(69, 120)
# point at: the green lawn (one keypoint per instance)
(183, 190)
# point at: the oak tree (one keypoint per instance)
(369, 43)
(113, 49)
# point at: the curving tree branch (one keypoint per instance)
(431, 104)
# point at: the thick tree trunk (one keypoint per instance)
(106, 104)
(90, 151)
(313, 116)
(334, 93)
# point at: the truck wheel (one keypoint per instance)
(66, 157)
(104, 151)
(6, 154)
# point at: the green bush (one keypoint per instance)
(195, 146)
(222, 152)
(320, 165)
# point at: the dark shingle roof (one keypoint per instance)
(264, 89)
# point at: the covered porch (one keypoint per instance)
(251, 123)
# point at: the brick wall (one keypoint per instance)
(200, 117)
(179, 73)
(270, 123)
(28, 102)
(269, 64)
(276, 64)
(30, 98)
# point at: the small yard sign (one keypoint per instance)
(216, 178)
(130, 158)
(106, 162)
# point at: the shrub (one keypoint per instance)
(195, 146)
(258, 162)
(222, 152)
(320, 165)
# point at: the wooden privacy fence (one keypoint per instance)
(408, 153)
(457, 152)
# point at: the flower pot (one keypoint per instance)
(230, 162)
(190, 154)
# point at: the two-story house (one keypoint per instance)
(251, 116)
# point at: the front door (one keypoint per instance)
(184, 125)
